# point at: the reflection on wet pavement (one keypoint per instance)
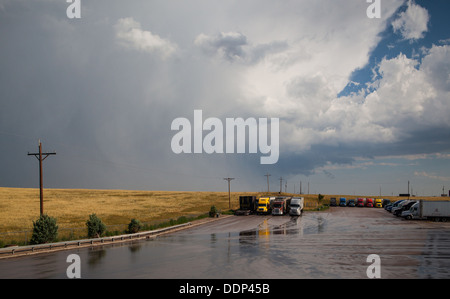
(332, 244)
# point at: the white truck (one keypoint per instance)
(437, 210)
(297, 204)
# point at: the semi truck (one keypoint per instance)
(378, 203)
(279, 206)
(263, 206)
(342, 202)
(351, 203)
(360, 202)
(369, 202)
(333, 202)
(247, 205)
(437, 210)
(404, 206)
(296, 206)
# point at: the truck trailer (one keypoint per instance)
(247, 205)
(438, 210)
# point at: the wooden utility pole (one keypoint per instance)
(229, 193)
(281, 184)
(41, 184)
(268, 189)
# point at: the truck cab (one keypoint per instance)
(263, 205)
(296, 206)
(378, 203)
(279, 206)
(342, 202)
(351, 203)
(333, 202)
(360, 202)
(369, 202)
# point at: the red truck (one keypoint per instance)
(360, 202)
(369, 202)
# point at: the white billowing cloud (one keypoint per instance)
(130, 34)
(412, 23)
(408, 97)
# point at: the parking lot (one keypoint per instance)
(330, 244)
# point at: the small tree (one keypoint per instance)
(134, 226)
(95, 226)
(320, 197)
(213, 211)
(45, 230)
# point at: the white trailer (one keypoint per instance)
(437, 210)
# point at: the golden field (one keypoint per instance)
(19, 207)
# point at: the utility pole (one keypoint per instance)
(229, 194)
(41, 185)
(300, 187)
(408, 189)
(281, 182)
(268, 189)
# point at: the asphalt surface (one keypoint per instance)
(331, 244)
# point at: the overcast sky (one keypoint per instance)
(363, 103)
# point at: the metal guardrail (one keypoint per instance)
(9, 251)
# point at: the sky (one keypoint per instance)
(361, 92)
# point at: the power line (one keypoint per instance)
(268, 189)
(229, 193)
(41, 185)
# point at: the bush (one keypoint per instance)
(134, 226)
(213, 211)
(95, 226)
(45, 230)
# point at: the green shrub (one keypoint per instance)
(213, 211)
(134, 226)
(95, 226)
(45, 230)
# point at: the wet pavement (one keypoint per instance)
(332, 244)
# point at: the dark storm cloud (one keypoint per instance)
(102, 91)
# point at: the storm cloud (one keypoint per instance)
(103, 90)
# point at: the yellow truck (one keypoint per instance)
(378, 203)
(263, 205)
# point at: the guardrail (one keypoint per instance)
(30, 249)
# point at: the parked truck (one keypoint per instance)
(296, 206)
(351, 203)
(436, 210)
(378, 203)
(279, 206)
(247, 205)
(342, 202)
(404, 206)
(360, 202)
(263, 206)
(333, 202)
(369, 202)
